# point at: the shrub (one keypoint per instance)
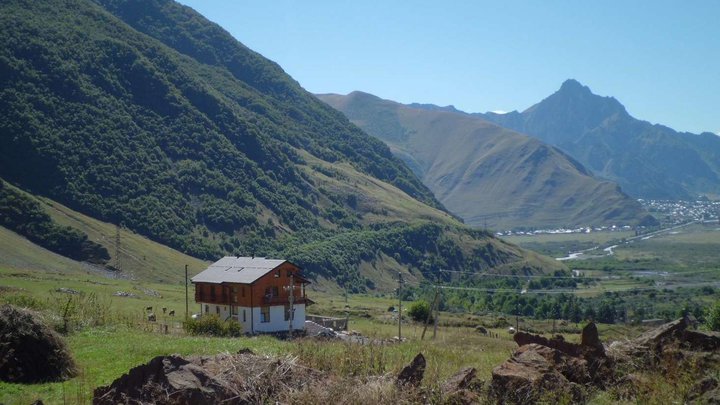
(212, 325)
(419, 311)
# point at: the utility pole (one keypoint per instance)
(347, 311)
(187, 302)
(430, 312)
(291, 297)
(435, 325)
(400, 283)
(117, 247)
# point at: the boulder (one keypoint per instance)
(590, 338)
(224, 378)
(413, 373)
(524, 338)
(701, 341)
(656, 338)
(462, 388)
(536, 372)
(459, 381)
(165, 379)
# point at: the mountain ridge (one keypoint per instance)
(484, 173)
(647, 160)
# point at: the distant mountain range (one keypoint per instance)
(646, 160)
(144, 114)
(486, 174)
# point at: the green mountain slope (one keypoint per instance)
(486, 174)
(143, 113)
(139, 258)
(648, 161)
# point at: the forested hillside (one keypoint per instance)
(145, 114)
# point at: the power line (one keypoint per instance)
(569, 291)
(472, 273)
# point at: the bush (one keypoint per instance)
(419, 311)
(212, 325)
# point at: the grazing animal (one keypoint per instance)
(151, 317)
(172, 313)
(164, 310)
(148, 309)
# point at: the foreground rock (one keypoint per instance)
(228, 378)
(672, 341)
(673, 349)
(413, 373)
(544, 369)
(549, 370)
(31, 352)
(535, 371)
(462, 388)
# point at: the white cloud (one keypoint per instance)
(499, 112)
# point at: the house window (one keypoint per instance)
(207, 308)
(212, 293)
(234, 294)
(217, 309)
(271, 292)
(264, 314)
(277, 273)
(234, 310)
(289, 273)
(244, 316)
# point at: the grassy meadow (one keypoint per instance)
(108, 333)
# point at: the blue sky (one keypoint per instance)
(661, 59)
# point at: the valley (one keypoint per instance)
(567, 253)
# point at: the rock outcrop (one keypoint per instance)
(550, 369)
(242, 378)
(413, 373)
(547, 369)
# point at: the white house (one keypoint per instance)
(264, 295)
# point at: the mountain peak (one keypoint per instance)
(572, 85)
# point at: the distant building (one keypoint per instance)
(254, 291)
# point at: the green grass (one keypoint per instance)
(105, 354)
(559, 245)
(691, 248)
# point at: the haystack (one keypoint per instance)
(31, 352)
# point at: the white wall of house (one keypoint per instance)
(277, 321)
(277, 317)
(223, 311)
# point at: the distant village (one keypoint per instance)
(668, 212)
(679, 212)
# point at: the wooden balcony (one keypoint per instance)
(281, 300)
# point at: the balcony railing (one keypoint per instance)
(281, 300)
